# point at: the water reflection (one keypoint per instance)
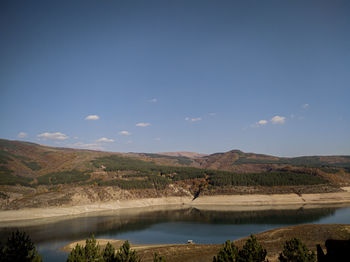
(115, 223)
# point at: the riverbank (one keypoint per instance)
(272, 241)
(226, 202)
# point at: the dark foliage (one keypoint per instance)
(65, 177)
(295, 251)
(19, 247)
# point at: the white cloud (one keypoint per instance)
(124, 133)
(278, 120)
(92, 117)
(129, 142)
(105, 140)
(153, 100)
(22, 135)
(143, 124)
(157, 139)
(262, 122)
(53, 136)
(193, 119)
(304, 106)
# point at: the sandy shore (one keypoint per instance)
(226, 202)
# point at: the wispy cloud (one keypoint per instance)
(212, 114)
(143, 124)
(153, 100)
(53, 136)
(22, 135)
(92, 117)
(124, 133)
(157, 139)
(193, 119)
(304, 106)
(105, 140)
(278, 120)
(262, 122)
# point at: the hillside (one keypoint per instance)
(55, 176)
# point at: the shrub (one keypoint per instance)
(295, 251)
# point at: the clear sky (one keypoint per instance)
(153, 76)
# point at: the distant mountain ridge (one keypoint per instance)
(30, 159)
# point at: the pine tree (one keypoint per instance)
(92, 250)
(109, 253)
(77, 254)
(252, 251)
(227, 254)
(125, 254)
(296, 251)
(19, 247)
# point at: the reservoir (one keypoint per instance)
(166, 225)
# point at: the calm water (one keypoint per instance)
(170, 226)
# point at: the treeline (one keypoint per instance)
(306, 161)
(216, 178)
(264, 179)
(64, 177)
(146, 174)
(147, 181)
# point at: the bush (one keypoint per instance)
(295, 251)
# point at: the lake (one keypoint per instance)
(174, 225)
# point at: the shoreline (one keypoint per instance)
(218, 202)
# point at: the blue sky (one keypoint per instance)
(154, 76)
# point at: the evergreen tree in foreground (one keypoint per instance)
(228, 253)
(295, 251)
(125, 254)
(252, 251)
(109, 253)
(19, 247)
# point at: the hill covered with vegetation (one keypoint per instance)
(38, 168)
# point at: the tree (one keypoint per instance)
(109, 253)
(77, 254)
(252, 251)
(158, 258)
(19, 247)
(227, 254)
(296, 251)
(125, 254)
(91, 252)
